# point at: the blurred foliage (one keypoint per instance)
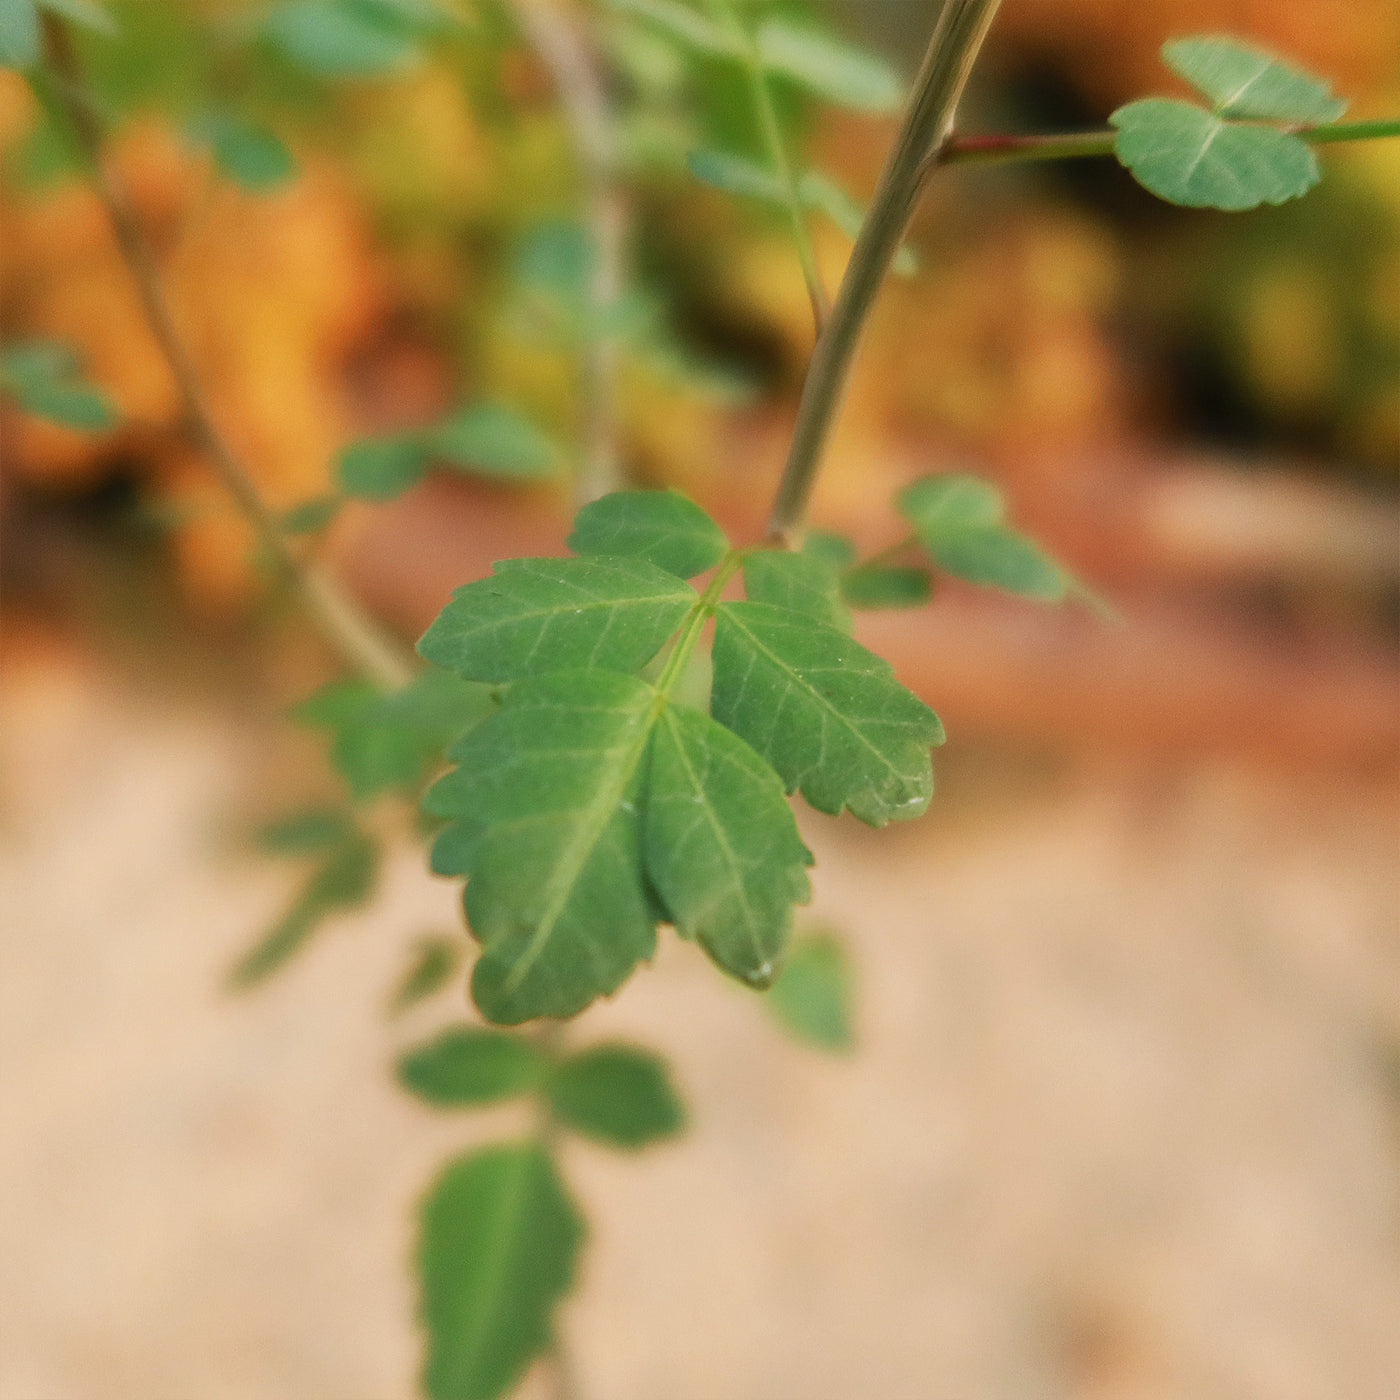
(363, 252)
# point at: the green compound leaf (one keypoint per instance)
(498, 1238)
(434, 961)
(800, 582)
(1242, 81)
(873, 586)
(381, 468)
(825, 712)
(247, 153)
(533, 616)
(19, 34)
(812, 998)
(547, 791)
(958, 519)
(469, 1066)
(1190, 156)
(721, 844)
(828, 67)
(345, 879)
(493, 441)
(662, 527)
(43, 378)
(617, 1094)
(342, 38)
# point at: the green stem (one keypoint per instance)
(1005, 150)
(1374, 130)
(700, 613)
(772, 135)
(957, 38)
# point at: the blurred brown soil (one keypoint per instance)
(1122, 1123)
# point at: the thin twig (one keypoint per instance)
(772, 134)
(565, 50)
(957, 38)
(354, 635)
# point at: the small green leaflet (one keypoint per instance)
(958, 520)
(1222, 158)
(344, 879)
(828, 67)
(834, 550)
(871, 586)
(533, 616)
(491, 440)
(722, 847)
(1242, 81)
(555, 894)
(829, 715)
(43, 378)
(247, 153)
(435, 959)
(383, 467)
(498, 1237)
(343, 38)
(469, 1066)
(19, 34)
(800, 582)
(812, 998)
(662, 527)
(616, 1094)
(1187, 155)
(311, 829)
(310, 516)
(384, 741)
(680, 22)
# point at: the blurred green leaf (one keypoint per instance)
(736, 175)
(828, 66)
(42, 376)
(1242, 81)
(384, 467)
(313, 829)
(345, 879)
(19, 34)
(1187, 155)
(494, 441)
(617, 1094)
(498, 1237)
(383, 741)
(1001, 558)
(86, 14)
(307, 517)
(468, 1066)
(812, 996)
(872, 586)
(343, 38)
(247, 153)
(435, 959)
(678, 21)
(939, 505)
(834, 550)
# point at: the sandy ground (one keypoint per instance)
(1122, 1123)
